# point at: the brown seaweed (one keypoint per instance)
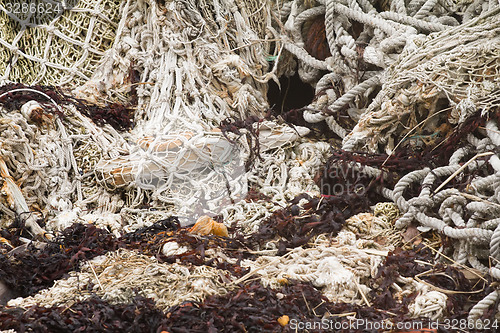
(119, 116)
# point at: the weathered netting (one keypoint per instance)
(66, 51)
(344, 267)
(396, 74)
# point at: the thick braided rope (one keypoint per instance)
(477, 310)
(342, 101)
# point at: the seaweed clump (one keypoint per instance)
(91, 315)
(35, 267)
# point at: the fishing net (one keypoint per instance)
(188, 87)
(55, 49)
(130, 112)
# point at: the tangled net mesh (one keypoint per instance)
(417, 76)
(66, 52)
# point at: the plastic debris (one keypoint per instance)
(207, 226)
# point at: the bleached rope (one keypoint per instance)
(342, 101)
(425, 9)
(477, 310)
(305, 57)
